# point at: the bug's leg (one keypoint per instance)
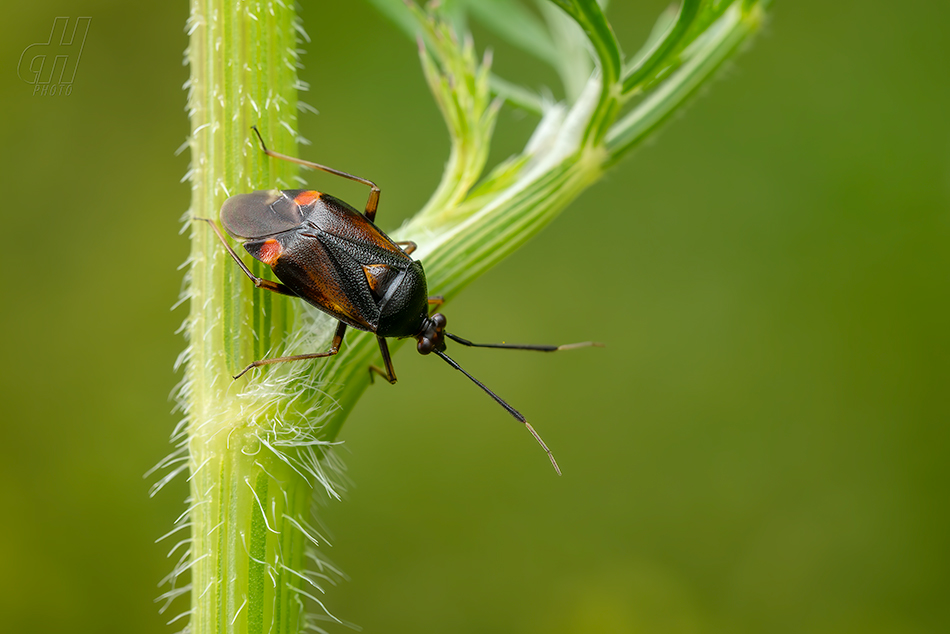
(407, 246)
(334, 348)
(373, 371)
(389, 374)
(371, 204)
(435, 301)
(277, 287)
(518, 346)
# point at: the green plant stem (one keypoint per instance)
(248, 504)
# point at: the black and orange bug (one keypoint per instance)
(332, 256)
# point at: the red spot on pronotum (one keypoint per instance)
(307, 198)
(270, 252)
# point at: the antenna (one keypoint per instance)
(511, 410)
(522, 346)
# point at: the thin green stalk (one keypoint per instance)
(250, 493)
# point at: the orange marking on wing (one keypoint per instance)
(307, 198)
(270, 252)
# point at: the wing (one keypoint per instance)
(335, 217)
(304, 264)
(265, 213)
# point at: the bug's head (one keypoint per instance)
(432, 335)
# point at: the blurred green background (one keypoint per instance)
(760, 448)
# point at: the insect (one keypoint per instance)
(332, 256)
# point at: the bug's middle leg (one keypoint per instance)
(435, 301)
(407, 246)
(389, 374)
(334, 348)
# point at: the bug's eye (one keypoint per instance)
(424, 346)
(439, 321)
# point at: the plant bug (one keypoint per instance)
(332, 256)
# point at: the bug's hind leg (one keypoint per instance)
(334, 348)
(389, 374)
(371, 204)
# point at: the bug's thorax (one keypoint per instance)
(432, 334)
(402, 301)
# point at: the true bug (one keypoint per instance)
(332, 256)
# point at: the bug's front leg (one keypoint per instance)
(389, 374)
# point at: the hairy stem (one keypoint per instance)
(249, 501)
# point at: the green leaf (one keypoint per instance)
(507, 18)
(639, 72)
(659, 31)
(516, 95)
(707, 51)
(575, 63)
(517, 25)
(399, 13)
(693, 23)
(590, 17)
(461, 89)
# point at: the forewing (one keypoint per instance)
(336, 218)
(304, 265)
